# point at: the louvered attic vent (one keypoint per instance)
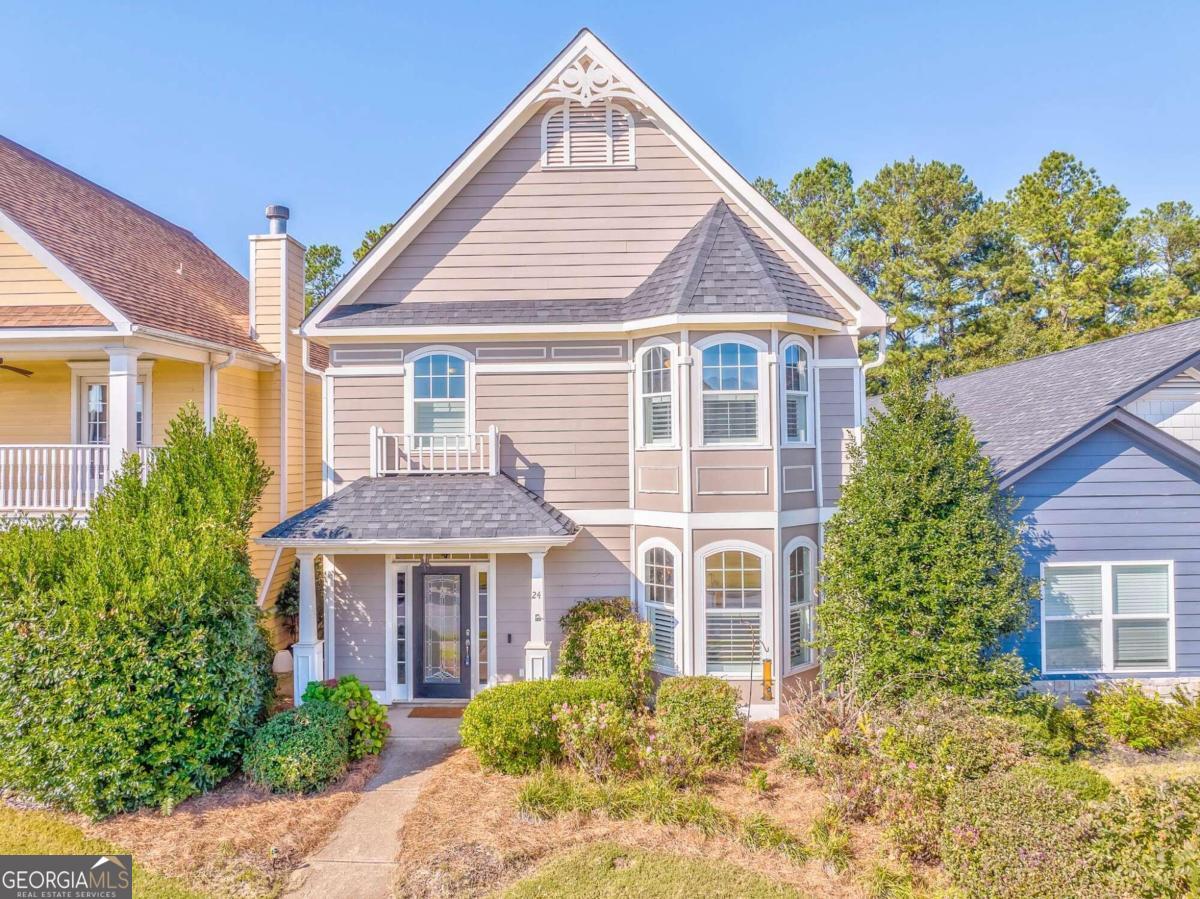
(578, 136)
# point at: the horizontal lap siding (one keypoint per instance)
(173, 385)
(517, 232)
(1113, 498)
(26, 282)
(359, 624)
(565, 436)
(37, 409)
(359, 403)
(836, 391)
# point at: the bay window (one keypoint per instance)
(658, 597)
(729, 393)
(657, 407)
(733, 600)
(1107, 617)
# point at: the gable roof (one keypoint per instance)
(1026, 412)
(616, 77)
(136, 267)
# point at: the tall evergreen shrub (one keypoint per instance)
(922, 576)
(131, 653)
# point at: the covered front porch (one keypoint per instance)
(432, 586)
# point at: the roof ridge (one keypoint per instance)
(710, 227)
(1068, 350)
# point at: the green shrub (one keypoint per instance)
(697, 718)
(1148, 839)
(570, 653)
(511, 727)
(368, 718)
(1016, 834)
(1053, 730)
(1141, 720)
(619, 649)
(1187, 706)
(1084, 783)
(599, 737)
(301, 750)
(131, 653)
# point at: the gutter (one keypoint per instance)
(210, 345)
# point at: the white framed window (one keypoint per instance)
(660, 602)
(656, 408)
(90, 400)
(795, 390)
(731, 409)
(578, 136)
(799, 601)
(439, 394)
(735, 579)
(1108, 617)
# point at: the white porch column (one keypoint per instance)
(122, 404)
(307, 651)
(537, 650)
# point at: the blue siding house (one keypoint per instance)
(1100, 446)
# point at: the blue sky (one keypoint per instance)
(206, 112)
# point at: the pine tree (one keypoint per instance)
(922, 577)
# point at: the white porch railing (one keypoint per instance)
(56, 478)
(427, 453)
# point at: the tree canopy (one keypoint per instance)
(323, 265)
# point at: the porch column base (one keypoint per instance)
(308, 661)
(537, 661)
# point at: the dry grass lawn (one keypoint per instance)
(465, 838)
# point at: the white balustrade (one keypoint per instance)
(56, 478)
(393, 453)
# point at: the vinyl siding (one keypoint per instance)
(836, 396)
(359, 623)
(25, 282)
(36, 409)
(359, 403)
(1113, 498)
(173, 385)
(1174, 407)
(518, 232)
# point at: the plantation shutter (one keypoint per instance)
(800, 634)
(1074, 591)
(662, 635)
(730, 418)
(797, 417)
(656, 411)
(732, 641)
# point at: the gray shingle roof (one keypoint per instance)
(1023, 409)
(719, 266)
(427, 507)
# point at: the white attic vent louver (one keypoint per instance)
(578, 136)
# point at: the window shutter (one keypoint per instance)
(1073, 591)
(657, 415)
(662, 635)
(730, 418)
(732, 642)
(797, 417)
(800, 633)
(588, 135)
(554, 137)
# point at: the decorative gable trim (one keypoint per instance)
(868, 315)
(585, 81)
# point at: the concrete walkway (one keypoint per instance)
(359, 860)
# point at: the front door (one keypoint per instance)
(442, 625)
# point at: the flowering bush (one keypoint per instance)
(599, 737)
(368, 718)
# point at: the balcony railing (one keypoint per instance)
(55, 478)
(433, 453)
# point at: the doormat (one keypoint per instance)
(436, 711)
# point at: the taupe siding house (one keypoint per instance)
(591, 360)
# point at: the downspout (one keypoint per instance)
(211, 370)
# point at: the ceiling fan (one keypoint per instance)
(21, 371)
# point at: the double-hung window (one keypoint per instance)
(657, 402)
(729, 393)
(94, 411)
(439, 398)
(799, 609)
(795, 394)
(733, 599)
(1106, 617)
(658, 579)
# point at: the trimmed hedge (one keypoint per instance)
(572, 624)
(301, 750)
(697, 718)
(511, 727)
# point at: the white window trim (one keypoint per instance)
(806, 349)
(1107, 617)
(676, 609)
(639, 410)
(764, 394)
(700, 601)
(786, 602)
(611, 110)
(410, 415)
(87, 372)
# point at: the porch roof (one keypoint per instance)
(426, 509)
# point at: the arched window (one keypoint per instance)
(439, 398)
(658, 582)
(729, 393)
(798, 612)
(574, 135)
(733, 601)
(657, 411)
(795, 394)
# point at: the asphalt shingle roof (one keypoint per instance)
(154, 272)
(427, 507)
(1022, 409)
(719, 266)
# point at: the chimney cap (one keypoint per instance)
(277, 217)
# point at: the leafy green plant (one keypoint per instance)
(1084, 783)
(697, 719)
(1148, 838)
(511, 727)
(1141, 720)
(300, 750)
(599, 737)
(883, 880)
(757, 782)
(1053, 729)
(368, 718)
(134, 663)
(830, 840)
(570, 653)
(619, 649)
(760, 831)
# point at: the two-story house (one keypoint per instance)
(590, 360)
(112, 318)
(1100, 447)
